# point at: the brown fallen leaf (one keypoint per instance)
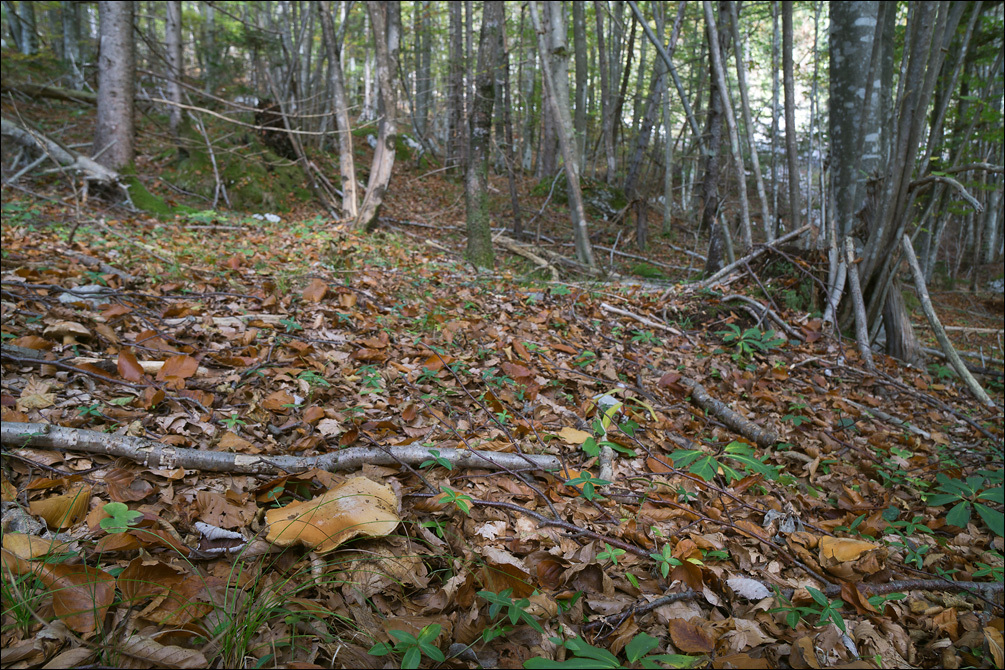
(690, 638)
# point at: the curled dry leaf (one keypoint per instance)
(358, 506)
(65, 510)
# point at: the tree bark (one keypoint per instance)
(71, 42)
(791, 153)
(579, 44)
(748, 123)
(606, 111)
(383, 156)
(455, 113)
(560, 112)
(114, 129)
(347, 165)
(479, 233)
(717, 50)
(172, 39)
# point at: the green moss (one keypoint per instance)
(648, 271)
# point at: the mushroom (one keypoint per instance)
(68, 330)
(357, 506)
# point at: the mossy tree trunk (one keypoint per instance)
(479, 250)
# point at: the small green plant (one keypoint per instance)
(610, 553)
(584, 359)
(313, 378)
(795, 416)
(462, 501)
(823, 607)
(516, 610)
(560, 290)
(436, 460)
(644, 337)
(91, 410)
(941, 372)
(291, 325)
(589, 483)
(706, 465)
(120, 518)
(232, 421)
(585, 655)
(966, 494)
(995, 572)
(372, 382)
(750, 341)
(665, 559)
(412, 647)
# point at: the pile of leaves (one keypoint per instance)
(867, 532)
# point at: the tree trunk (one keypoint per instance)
(510, 152)
(718, 50)
(29, 36)
(606, 112)
(71, 42)
(113, 132)
(775, 47)
(791, 154)
(656, 87)
(172, 39)
(579, 43)
(455, 114)
(385, 47)
(748, 123)
(479, 248)
(560, 111)
(347, 166)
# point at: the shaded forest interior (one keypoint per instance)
(503, 334)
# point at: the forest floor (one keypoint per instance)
(727, 495)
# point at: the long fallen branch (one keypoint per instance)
(764, 437)
(153, 454)
(940, 333)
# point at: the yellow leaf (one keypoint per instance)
(574, 436)
(843, 549)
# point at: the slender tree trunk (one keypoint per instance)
(776, 41)
(71, 42)
(748, 124)
(717, 50)
(455, 142)
(508, 124)
(791, 153)
(579, 43)
(479, 248)
(29, 36)
(113, 132)
(560, 110)
(176, 67)
(606, 111)
(385, 48)
(347, 167)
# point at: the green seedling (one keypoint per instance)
(590, 484)
(610, 553)
(120, 518)
(463, 502)
(412, 647)
(436, 460)
(823, 607)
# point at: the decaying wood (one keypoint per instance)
(153, 454)
(763, 437)
(52, 92)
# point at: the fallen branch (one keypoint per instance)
(519, 249)
(644, 321)
(153, 454)
(940, 332)
(718, 276)
(92, 171)
(763, 437)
